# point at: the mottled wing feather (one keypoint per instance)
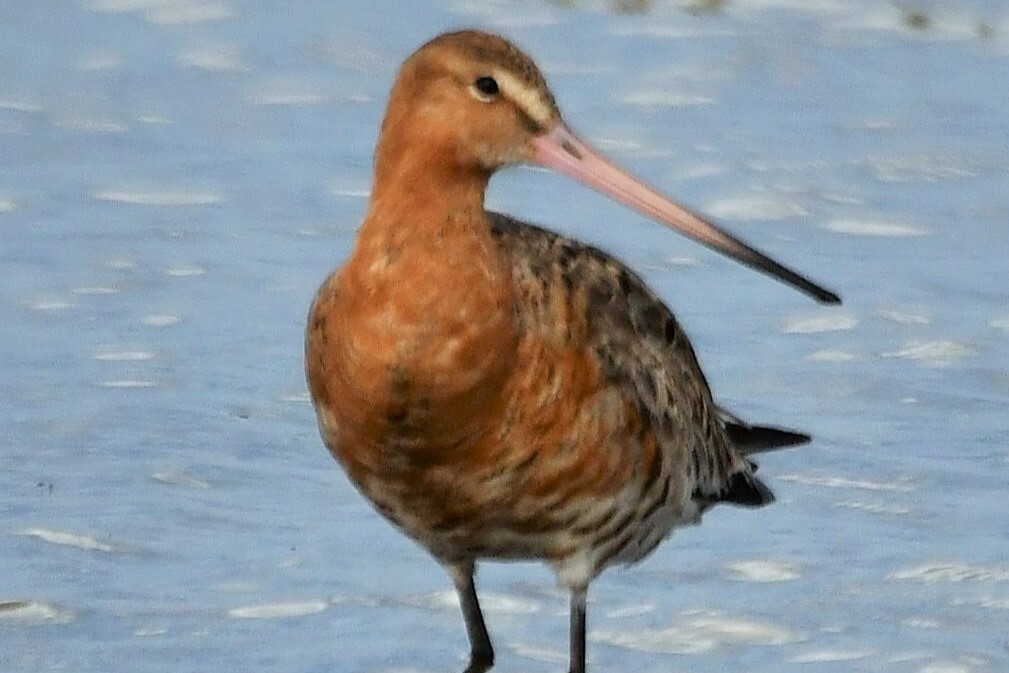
(645, 352)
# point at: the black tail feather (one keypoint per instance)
(748, 438)
(747, 490)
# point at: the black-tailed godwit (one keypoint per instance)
(499, 391)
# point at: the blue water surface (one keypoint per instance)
(178, 176)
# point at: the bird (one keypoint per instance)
(501, 392)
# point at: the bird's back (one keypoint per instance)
(644, 353)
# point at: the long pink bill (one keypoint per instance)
(563, 151)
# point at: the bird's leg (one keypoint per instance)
(577, 664)
(481, 656)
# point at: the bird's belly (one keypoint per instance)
(568, 471)
(527, 452)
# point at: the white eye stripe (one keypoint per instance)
(527, 98)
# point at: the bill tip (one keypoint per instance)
(828, 297)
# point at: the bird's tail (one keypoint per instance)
(744, 487)
(747, 438)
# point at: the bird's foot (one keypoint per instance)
(480, 662)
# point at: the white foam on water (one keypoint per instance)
(128, 383)
(828, 355)
(297, 398)
(286, 91)
(351, 193)
(898, 485)
(946, 667)
(123, 356)
(278, 610)
(552, 68)
(538, 653)
(490, 602)
(184, 12)
(936, 573)
(123, 6)
(356, 600)
(699, 634)
(876, 19)
(700, 170)
(175, 478)
(816, 323)
(158, 197)
(121, 264)
(843, 199)
(680, 260)
(874, 507)
(762, 571)
(20, 105)
(7, 205)
(161, 320)
(167, 12)
(872, 124)
(924, 624)
(218, 58)
(95, 290)
(1000, 322)
(151, 118)
(666, 99)
(910, 655)
(935, 353)
(754, 209)
(351, 188)
(238, 587)
(920, 168)
(904, 317)
(185, 271)
(617, 145)
(826, 656)
(52, 304)
(880, 228)
(99, 61)
(508, 605)
(91, 125)
(630, 611)
(66, 539)
(34, 612)
(287, 98)
(150, 631)
(986, 602)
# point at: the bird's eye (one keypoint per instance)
(487, 87)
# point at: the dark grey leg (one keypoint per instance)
(481, 656)
(578, 630)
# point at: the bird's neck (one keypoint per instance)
(425, 308)
(423, 194)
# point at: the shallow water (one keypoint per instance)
(177, 176)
